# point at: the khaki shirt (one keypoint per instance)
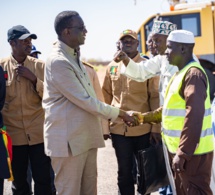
(157, 65)
(127, 94)
(96, 85)
(23, 114)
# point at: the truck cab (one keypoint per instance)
(198, 18)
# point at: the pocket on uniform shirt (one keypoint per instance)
(10, 91)
(137, 87)
(116, 84)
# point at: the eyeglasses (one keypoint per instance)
(81, 28)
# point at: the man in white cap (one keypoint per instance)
(186, 118)
(158, 65)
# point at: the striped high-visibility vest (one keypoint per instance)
(173, 116)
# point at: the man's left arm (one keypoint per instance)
(194, 92)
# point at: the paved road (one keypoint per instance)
(107, 166)
(107, 172)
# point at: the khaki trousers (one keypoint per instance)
(76, 175)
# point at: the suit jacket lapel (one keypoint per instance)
(81, 73)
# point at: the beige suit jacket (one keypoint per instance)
(72, 111)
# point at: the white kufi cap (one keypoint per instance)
(181, 36)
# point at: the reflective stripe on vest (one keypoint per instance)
(174, 111)
(181, 112)
(177, 133)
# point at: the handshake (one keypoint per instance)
(132, 118)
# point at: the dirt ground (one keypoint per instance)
(107, 165)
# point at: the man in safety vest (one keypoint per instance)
(158, 65)
(186, 118)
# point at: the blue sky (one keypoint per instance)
(104, 19)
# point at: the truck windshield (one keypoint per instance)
(189, 22)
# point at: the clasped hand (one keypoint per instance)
(26, 73)
(132, 118)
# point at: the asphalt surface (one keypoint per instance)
(107, 172)
(107, 165)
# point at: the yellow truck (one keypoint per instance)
(198, 18)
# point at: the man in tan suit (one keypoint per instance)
(72, 128)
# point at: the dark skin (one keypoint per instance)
(151, 46)
(20, 50)
(128, 45)
(74, 36)
(121, 56)
(179, 54)
(128, 120)
(128, 49)
(159, 43)
(106, 136)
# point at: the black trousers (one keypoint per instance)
(1, 186)
(126, 148)
(40, 165)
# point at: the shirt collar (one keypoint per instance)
(15, 63)
(66, 48)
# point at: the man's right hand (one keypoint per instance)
(128, 119)
(121, 56)
(26, 73)
(139, 116)
(106, 136)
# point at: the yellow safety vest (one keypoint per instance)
(173, 115)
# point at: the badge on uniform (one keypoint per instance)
(113, 70)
